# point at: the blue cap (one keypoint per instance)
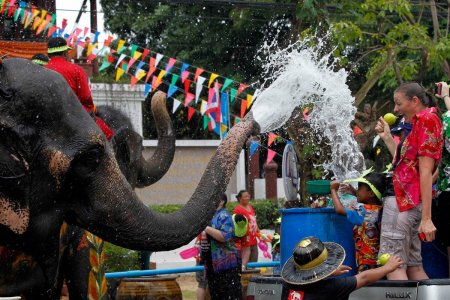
(402, 126)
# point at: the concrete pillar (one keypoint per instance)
(253, 167)
(270, 170)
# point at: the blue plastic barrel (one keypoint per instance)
(324, 223)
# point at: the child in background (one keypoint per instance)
(366, 216)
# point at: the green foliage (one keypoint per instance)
(120, 259)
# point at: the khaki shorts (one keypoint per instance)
(400, 233)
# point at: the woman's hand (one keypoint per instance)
(382, 128)
(444, 93)
(427, 227)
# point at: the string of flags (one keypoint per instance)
(254, 145)
(146, 66)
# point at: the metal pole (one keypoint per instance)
(94, 30)
(181, 270)
(81, 11)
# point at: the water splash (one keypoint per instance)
(300, 75)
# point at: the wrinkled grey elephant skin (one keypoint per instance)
(56, 165)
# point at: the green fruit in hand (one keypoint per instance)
(383, 259)
(390, 119)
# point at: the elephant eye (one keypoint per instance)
(93, 156)
(88, 160)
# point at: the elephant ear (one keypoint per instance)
(124, 143)
(14, 208)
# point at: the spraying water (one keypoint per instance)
(297, 76)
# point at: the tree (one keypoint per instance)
(222, 39)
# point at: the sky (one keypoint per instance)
(69, 10)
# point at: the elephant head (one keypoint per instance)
(56, 165)
(127, 143)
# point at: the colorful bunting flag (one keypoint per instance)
(223, 131)
(191, 111)
(233, 93)
(158, 58)
(137, 55)
(170, 64)
(131, 62)
(198, 72)
(212, 78)
(184, 76)
(189, 98)
(176, 104)
(174, 79)
(105, 65)
(133, 82)
(172, 89)
(187, 84)
(120, 45)
(241, 88)
(199, 87)
(224, 109)
(270, 155)
(147, 89)
(203, 107)
(249, 100)
(206, 120)
(243, 108)
(272, 137)
(133, 49)
(121, 57)
(151, 68)
(119, 73)
(253, 146)
(226, 84)
(145, 53)
(184, 68)
(236, 120)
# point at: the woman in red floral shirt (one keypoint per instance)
(408, 214)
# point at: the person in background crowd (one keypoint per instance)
(249, 246)
(40, 59)
(309, 273)
(276, 253)
(443, 180)
(408, 214)
(221, 257)
(365, 216)
(200, 275)
(75, 77)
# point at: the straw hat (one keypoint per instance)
(312, 261)
(240, 225)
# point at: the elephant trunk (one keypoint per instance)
(153, 169)
(118, 216)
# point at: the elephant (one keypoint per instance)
(56, 166)
(84, 255)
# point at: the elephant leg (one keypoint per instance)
(83, 265)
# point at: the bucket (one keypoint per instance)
(318, 187)
(149, 288)
(324, 223)
(189, 253)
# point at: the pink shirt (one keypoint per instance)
(425, 139)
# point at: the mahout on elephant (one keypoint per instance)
(56, 166)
